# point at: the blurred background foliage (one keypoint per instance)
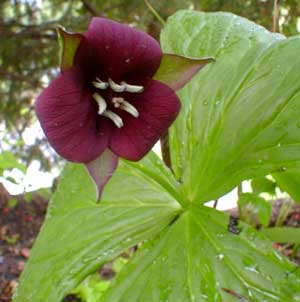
(29, 51)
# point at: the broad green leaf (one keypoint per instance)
(263, 185)
(176, 71)
(290, 183)
(282, 234)
(197, 259)
(240, 115)
(254, 209)
(68, 43)
(80, 235)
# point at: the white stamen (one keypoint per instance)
(124, 105)
(114, 117)
(129, 108)
(99, 84)
(116, 87)
(101, 102)
(132, 88)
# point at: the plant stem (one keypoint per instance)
(276, 16)
(155, 13)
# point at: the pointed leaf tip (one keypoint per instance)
(68, 43)
(102, 168)
(176, 71)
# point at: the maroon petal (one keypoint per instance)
(117, 51)
(158, 107)
(68, 117)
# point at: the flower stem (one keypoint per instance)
(155, 13)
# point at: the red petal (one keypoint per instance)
(68, 117)
(158, 107)
(114, 50)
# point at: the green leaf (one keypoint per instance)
(197, 259)
(263, 185)
(240, 115)
(176, 71)
(290, 183)
(80, 235)
(282, 234)
(254, 209)
(8, 162)
(68, 43)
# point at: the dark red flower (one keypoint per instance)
(108, 98)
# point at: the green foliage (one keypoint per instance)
(29, 50)
(290, 183)
(254, 209)
(263, 185)
(195, 259)
(8, 162)
(80, 235)
(239, 121)
(282, 234)
(242, 118)
(93, 288)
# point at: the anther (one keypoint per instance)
(101, 103)
(129, 108)
(114, 117)
(124, 105)
(116, 87)
(99, 84)
(132, 88)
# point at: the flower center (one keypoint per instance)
(117, 102)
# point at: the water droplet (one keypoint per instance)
(260, 161)
(220, 256)
(250, 294)
(217, 103)
(127, 60)
(107, 47)
(282, 168)
(205, 103)
(252, 269)
(279, 145)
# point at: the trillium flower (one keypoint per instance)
(105, 101)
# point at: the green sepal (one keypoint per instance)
(176, 71)
(68, 44)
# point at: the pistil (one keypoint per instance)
(118, 102)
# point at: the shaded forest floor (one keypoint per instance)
(20, 221)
